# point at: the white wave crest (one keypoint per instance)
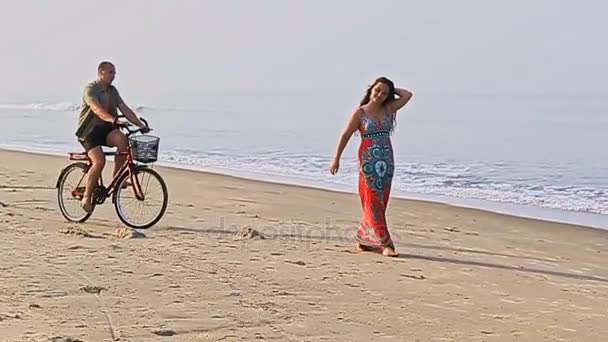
(52, 107)
(58, 107)
(71, 107)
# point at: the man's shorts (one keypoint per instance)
(97, 137)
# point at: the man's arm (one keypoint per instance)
(130, 115)
(90, 99)
(127, 111)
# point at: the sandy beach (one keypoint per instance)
(463, 274)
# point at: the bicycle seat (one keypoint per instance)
(78, 156)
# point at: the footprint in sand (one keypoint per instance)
(64, 339)
(299, 262)
(249, 233)
(452, 229)
(92, 289)
(229, 187)
(164, 332)
(512, 301)
(243, 200)
(3, 317)
(411, 276)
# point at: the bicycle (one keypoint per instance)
(143, 150)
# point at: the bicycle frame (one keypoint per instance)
(128, 167)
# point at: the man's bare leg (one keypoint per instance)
(98, 162)
(116, 138)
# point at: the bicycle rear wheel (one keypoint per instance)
(70, 190)
(140, 212)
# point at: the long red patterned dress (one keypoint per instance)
(375, 178)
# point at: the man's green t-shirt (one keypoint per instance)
(109, 99)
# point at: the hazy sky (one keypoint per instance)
(174, 51)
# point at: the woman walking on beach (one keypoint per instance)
(374, 119)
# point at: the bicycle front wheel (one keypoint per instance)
(141, 209)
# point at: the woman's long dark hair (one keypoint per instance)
(389, 97)
(391, 90)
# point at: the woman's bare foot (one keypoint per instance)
(86, 204)
(362, 248)
(389, 252)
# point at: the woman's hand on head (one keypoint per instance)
(404, 97)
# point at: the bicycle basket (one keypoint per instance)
(144, 148)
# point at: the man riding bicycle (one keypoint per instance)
(97, 126)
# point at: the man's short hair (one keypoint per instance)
(104, 65)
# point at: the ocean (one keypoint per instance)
(540, 155)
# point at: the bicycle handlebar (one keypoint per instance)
(127, 125)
